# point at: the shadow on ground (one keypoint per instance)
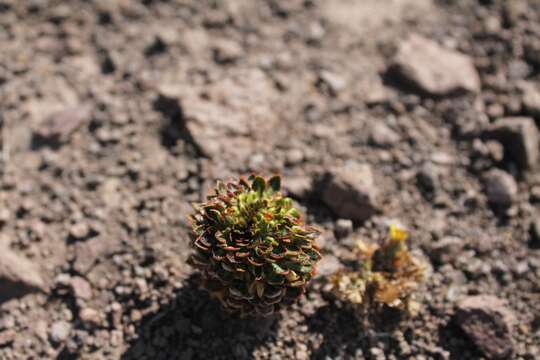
(194, 326)
(345, 335)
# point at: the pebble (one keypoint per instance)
(343, 228)
(500, 187)
(79, 230)
(59, 331)
(520, 138)
(90, 317)
(81, 288)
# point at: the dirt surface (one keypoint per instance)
(117, 114)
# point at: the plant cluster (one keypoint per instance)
(252, 246)
(387, 275)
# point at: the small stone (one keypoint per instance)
(335, 83)
(227, 51)
(135, 315)
(434, 69)
(350, 191)
(495, 110)
(90, 317)
(142, 285)
(428, 177)
(81, 288)
(62, 280)
(59, 332)
(500, 187)
(7, 337)
(58, 127)
(487, 321)
(18, 275)
(87, 253)
(383, 136)
(513, 10)
(531, 100)
(7, 322)
(344, 227)
(495, 150)
(79, 230)
(446, 249)
(302, 354)
(520, 139)
(294, 156)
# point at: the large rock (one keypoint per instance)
(433, 69)
(487, 321)
(59, 126)
(519, 137)
(350, 191)
(18, 275)
(229, 119)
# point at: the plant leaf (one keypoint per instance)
(275, 183)
(259, 185)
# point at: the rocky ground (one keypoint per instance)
(116, 115)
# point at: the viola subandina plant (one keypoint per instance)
(252, 246)
(388, 275)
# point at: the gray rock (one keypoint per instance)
(487, 321)
(18, 275)
(333, 81)
(79, 230)
(434, 69)
(59, 332)
(229, 119)
(532, 52)
(59, 126)
(428, 177)
(520, 139)
(81, 288)
(87, 253)
(344, 227)
(350, 191)
(446, 249)
(531, 100)
(7, 337)
(382, 136)
(500, 187)
(227, 51)
(90, 317)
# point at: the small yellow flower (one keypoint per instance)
(398, 234)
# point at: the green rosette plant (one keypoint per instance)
(252, 246)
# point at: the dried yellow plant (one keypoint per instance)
(388, 275)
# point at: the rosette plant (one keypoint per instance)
(252, 246)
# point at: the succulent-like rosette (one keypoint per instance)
(252, 246)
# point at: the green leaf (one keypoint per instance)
(293, 212)
(275, 183)
(278, 269)
(214, 215)
(259, 185)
